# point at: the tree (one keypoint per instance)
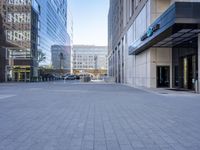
(41, 57)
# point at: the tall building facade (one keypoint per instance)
(155, 43)
(61, 57)
(89, 58)
(29, 28)
(17, 48)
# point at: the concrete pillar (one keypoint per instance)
(115, 64)
(2, 64)
(171, 67)
(121, 64)
(118, 65)
(198, 63)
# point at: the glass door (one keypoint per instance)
(163, 76)
(185, 73)
(189, 72)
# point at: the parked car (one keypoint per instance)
(64, 76)
(70, 77)
(77, 77)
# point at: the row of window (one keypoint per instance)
(84, 62)
(14, 35)
(60, 8)
(19, 2)
(19, 17)
(83, 56)
(133, 4)
(18, 53)
(89, 63)
(91, 58)
(81, 67)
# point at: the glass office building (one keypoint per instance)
(30, 27)
(61, 58)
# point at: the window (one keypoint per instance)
(131, 8)
(137, 2)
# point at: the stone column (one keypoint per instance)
(198, 63)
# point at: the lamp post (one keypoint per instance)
(61, 56)
(95, 60)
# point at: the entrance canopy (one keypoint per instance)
(178, 24)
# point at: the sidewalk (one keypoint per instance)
(168, 91)
(94, 82)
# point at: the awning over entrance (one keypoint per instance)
(178, 24)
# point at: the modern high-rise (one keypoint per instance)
(89, 58)
(155, 43)
(29, 28)
(61, 57)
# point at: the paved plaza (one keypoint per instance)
(75, 116)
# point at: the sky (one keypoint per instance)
(90, 21)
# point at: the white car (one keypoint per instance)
(70, 77)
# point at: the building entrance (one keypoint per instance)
(185, 67)
(163, 76)
(21, 74)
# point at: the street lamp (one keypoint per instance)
(95, 61)
(61, 56)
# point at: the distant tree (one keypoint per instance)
(41, 57)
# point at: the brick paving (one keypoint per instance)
(58, 116)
